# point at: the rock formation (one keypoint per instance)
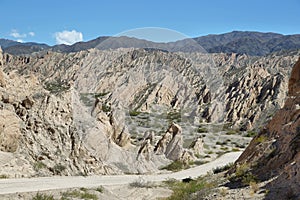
(275, 151)
(197, 146)
(2, 79)
(72, 108)
(251, 88)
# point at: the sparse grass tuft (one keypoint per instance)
(39, 196)
(79, 194)
(134, 113)
(235, 149)
(3, 176)
(261, 139)
(185, 190)
(231, 132)
(254, 186)
(141, 184)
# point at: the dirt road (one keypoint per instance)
(8, 186)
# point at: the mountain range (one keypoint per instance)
(241, 42)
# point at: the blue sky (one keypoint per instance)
(66, 21)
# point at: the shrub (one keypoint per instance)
(100, 189)
(106, 108)
(261, 139)
(58, 168)
(254, 186)
(38, 165)
(76, 194)
(231, 132)
(243, 175)
(223, 168)
(56, 87)
(251, 134)
(202, 130)
(141, 184)
(184, 190)
(39, 196)
(174, 166)
(134, 113)
(3, 176)
(235, 149)
(241, 170)
(248, 178)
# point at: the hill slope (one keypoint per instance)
(275, 151)
(241, 42)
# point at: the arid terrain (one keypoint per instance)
(144, 111)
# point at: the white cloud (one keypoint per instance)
(14, 33)
(68, 37)
(20, 36)
(31, 34)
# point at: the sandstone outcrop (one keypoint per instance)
(275, 152)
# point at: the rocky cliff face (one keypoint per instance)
(275, 152)
(87, 112)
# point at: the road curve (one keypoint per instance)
(8, 186)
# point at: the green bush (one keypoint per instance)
(175, 166)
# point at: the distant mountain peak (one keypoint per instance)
(244, 42)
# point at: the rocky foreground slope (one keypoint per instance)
(110, 112)
(275, 151)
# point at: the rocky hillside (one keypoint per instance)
(246, 90)
(111, 111)
(274, 153)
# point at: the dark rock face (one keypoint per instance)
(275, 152)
